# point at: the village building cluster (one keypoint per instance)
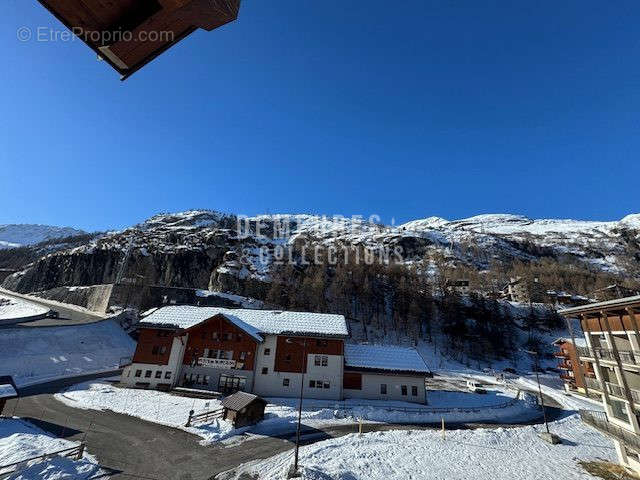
(269, 353)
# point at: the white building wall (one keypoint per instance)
(173, 367)
(272, 384)
(371, 383)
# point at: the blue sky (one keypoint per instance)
(407, 110)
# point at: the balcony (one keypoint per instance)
(566, 377)
(565, 366)
(593, 384)
(627, 357)
(599, 421)
(615, 390)
(560, 355)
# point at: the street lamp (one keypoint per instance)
(549, 437)
(304, 358)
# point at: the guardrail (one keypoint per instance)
(599, 421)
(74, 453)
(205, 417)
(354, 406)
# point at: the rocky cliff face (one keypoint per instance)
(206, 249)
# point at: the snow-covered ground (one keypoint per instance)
(499, 454)
(281, 414)
(12, 308)
(40, 354)
(21, 440)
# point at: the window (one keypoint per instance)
(205, 380)
(414, 391)
(267, 351)
(228, 336)
(322, 343)
(243, 355)
(383, 388)
(327, 385)
(167, 375)
(265, 370)
(215, 336)
(321, 360)
(163, 350)
(155, 350)
(147, 374)
(285, 382)
(312, 384)
(198, 379)
(159, 374)
(138, 373)
(404, 390)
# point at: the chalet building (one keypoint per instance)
(573, 376)
(612, 334)
(265, 352)
(382, 372)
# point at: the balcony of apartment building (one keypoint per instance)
(600, 421)
(628, 358)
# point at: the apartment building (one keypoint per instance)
(574, 372)
(269, 353)
(612, 335)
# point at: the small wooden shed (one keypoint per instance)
(242, 409)
(8, 391)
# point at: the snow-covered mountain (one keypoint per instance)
(203, 248)
(18, 235)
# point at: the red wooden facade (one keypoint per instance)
(218, 333)
(290, 356)
(154, 346)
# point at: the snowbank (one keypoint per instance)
(12, 308)
(509, 454)
(36, 355)
(282, 413)
(20, 440)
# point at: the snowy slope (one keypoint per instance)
(16, 235)
(21, 440)
(500, 454)
(13, 308)
(39, 354)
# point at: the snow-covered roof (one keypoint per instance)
(382, 357)
(7, 391)
(579, 341)
(254, 322)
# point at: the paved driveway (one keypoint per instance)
(134, 448)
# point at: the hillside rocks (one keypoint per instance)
(204, 249)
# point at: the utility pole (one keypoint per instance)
(549, 437)
(294, 472)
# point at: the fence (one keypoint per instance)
(74, 453)
(205, 417)
(426, 410)
(599, 421)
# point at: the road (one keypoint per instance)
(133, 448)
(69, 314)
